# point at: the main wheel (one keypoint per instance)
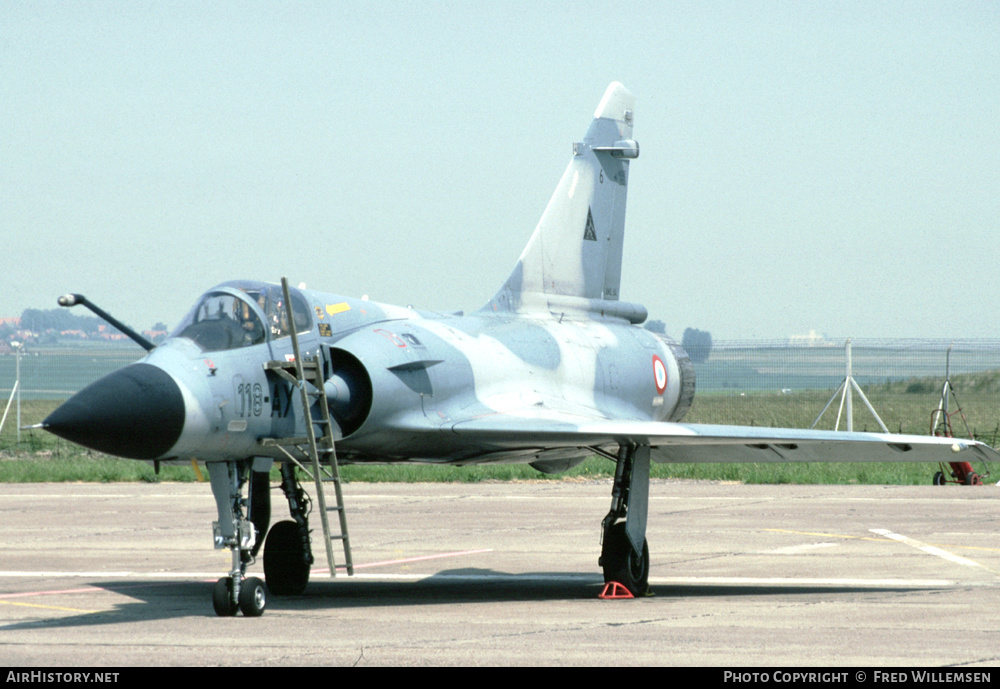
(938, 478)
(622, 563)
(252, 597)
(286, 562)
(222, 599)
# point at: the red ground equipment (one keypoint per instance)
(960, 472)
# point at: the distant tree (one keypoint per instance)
(656, 327)
(41, 320)
(162, 330)
(698, 344)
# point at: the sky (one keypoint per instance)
(827, 166)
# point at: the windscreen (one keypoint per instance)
(222, 321)
(242, 315)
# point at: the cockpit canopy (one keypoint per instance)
(242, 314)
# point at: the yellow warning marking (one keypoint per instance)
(197, 471)
(46, 607)
(334, 309)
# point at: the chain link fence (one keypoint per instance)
(746, 382)
(59, 372)
(775, 383)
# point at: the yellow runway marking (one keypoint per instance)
(46, 607)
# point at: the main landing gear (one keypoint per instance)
(242, 521)
(288, 553)
(624, 551)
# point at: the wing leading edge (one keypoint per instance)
(679, 442)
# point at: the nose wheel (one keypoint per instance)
(223, 600)
(237, 592)
(251, 599)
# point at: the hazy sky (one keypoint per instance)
(829, 166)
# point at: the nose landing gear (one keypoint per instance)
(237, 592)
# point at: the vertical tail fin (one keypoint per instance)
(575, 254)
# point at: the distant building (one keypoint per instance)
(813, 339)
(106, 332)
(155, 336)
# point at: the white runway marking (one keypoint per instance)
(592, 578)
(788, 581)
(929, 549)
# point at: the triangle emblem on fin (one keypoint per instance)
(590, 233)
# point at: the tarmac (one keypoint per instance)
(106, 576)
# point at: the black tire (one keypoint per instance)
(222, 599)
(622, 563)
(253, 597)
(973, 479)
(938, 478)
(286, 563)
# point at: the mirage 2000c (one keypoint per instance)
(553, 369)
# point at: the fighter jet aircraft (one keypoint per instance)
(553, 369)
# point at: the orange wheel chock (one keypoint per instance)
(615, 591)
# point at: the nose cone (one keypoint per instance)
(135, 412)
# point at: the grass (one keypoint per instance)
(905, 406)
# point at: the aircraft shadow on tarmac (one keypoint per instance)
(163, 600)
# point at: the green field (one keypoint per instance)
(904, 406)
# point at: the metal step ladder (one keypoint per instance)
(309, 377)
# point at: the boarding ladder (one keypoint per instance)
(308, 375)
